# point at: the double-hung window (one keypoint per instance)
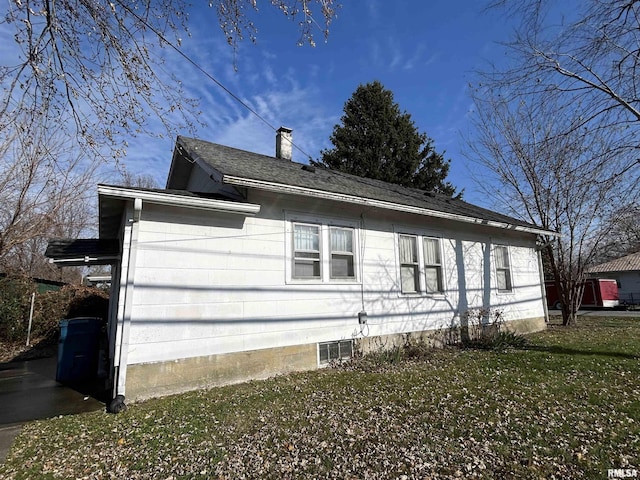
(306, 251)
(421, 265)
(432, 265)
(342, 253)
(320, 251)
(503, 268)
(410, 281)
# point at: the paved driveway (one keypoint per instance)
(29, 391)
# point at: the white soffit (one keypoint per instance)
(160, 198)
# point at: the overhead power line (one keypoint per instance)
(204, 72)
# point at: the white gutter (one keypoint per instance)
(310, 192)
(121, 379)
(159, 198)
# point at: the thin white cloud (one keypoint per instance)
(295, 107)
(395, 52)
(375, 53)
(417, 59)
(392, 56)
(279, 97)
(411, 62)
(373, 10)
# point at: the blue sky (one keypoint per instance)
(425, 52)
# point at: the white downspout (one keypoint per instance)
(121, 378)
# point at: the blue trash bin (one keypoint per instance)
(78, 349)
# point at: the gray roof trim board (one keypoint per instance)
(628, 263)
(247, 169)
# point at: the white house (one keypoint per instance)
(246, 266)
(626, 272)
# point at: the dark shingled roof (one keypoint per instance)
(232, 162)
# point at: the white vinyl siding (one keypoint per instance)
(503, 268)
(432, 265)
(306, 251)
(342, 253)
(408, 248)
(216, 284)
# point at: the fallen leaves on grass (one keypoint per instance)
(536, 413)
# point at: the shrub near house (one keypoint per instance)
(52, 304)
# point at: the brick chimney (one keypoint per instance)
(284, 143)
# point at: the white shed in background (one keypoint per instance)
(626, 272)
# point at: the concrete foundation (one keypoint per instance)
(528, 325)
(164, 378)
(148, 380)
(448, 336)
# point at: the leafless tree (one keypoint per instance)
(87, 76)
(558, 125)
(624, 235)
(141, 180)
(45, 191)
(588, 56)
(549, 172)
(96, 67)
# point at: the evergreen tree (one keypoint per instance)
(377, 140)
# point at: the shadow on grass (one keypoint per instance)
(572, 351)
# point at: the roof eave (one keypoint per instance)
(159, 198)
(309, 192)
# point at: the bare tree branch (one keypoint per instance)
(101, 63)
(44, 191)
(563, 179)
(562, 120)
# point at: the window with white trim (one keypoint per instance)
(408, 248)
(342, 252)
(421, 264)
(333, 351)
(321, 250)
(503, 268)
(306, 251)
(432, 265)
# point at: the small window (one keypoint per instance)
(334, 351)
(503, 268)
(432, 265)
(342, 253)
(306, 251)
(408, 247)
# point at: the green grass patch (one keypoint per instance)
(564, 405)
